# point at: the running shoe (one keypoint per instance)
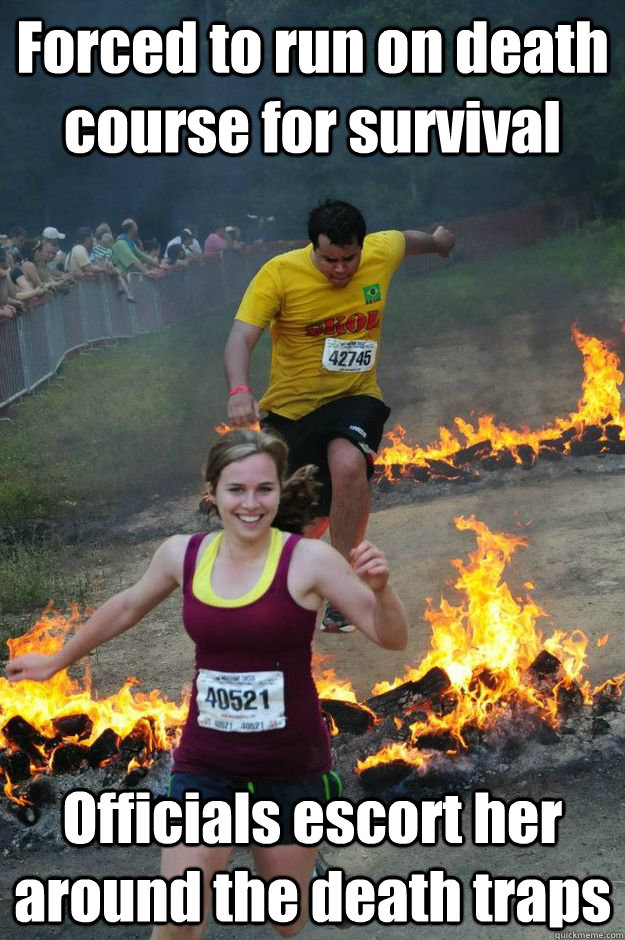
(333, 621)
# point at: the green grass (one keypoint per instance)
(31, 575)
(559, 272)
(121, 425)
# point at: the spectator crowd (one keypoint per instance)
(34, 267)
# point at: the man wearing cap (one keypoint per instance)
(54, 253)
(325, 306)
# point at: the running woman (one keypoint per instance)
(250, 598)
(325, 307)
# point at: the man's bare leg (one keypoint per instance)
(349, 512)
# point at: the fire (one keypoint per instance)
(330, 686)
(599, 405)
(150, 717)
(486, 644)
(223, 428)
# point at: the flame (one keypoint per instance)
(223, 428)
(150, 716)
(486, 644)
(602, 640)
(599, 404)
(330, 686)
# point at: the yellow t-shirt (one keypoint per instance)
(314, 325)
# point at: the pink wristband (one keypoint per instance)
(239, 388)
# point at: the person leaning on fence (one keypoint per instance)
(127, 256)
(26, 276)
(9, 304)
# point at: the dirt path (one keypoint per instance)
(574, 523)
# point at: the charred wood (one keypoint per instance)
(613, 432)
(385, 776)
(469, 454)
(570, 698)
(15, 764)
(103, 748)
(410, 693)
(347, 716)
(442, 741)
(67, 758)
(527, 455)
(21, 733)
(549, 453)
(41, 792)
(442, 468)
(591, 433)
(79, 726)
(585, 448)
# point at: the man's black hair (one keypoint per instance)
(83, 233)
(340, 222)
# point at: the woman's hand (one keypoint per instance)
(31, 666)
(371, 565)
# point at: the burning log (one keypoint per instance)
(612, 447)
(21, 733)
(441, 741)
(553, 444)
(135, 776)
(613, 432)
(545, 664)
(410, 693)
(472, 453)
(15, 765)
(591, 432)
(103, 748)
(580, 448)
(569, 698)
(549, 453)
(503, 459)
(79, 726)
(418, 473)
(68, 758)
(442, 468)
(527, 455)
(347, 716)
(385, 775)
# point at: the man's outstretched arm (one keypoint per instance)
(420, 243)
(242, 406)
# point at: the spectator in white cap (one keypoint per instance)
(52, 233)
(185, 240)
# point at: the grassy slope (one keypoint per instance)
(122, 424)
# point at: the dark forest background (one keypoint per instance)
(45, 185)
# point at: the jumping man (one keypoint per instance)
(325, 306)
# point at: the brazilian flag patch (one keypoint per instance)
(373, 294)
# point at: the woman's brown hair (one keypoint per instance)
(298, 492)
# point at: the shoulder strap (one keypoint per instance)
(282, 571)
(190, 558)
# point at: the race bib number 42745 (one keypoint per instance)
(245, 702)
(349, 355)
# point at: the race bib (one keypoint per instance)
(349, 355)
(246, 701)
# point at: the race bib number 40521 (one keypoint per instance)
(349, 355)
(246, 701)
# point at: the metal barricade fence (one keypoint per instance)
(33, 345)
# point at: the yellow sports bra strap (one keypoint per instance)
(202, 579)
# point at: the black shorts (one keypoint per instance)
(358, 418)
(211, 786)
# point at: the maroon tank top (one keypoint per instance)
(237, 648)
